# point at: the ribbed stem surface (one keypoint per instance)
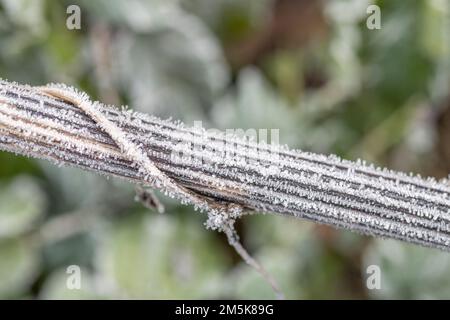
(320, 188)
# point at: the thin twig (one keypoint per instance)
(233, 240)
(229, 170)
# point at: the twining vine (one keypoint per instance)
(221, 174)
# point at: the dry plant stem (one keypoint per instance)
(320, 188)
(159, 179)
(139, 157)
(132, 151)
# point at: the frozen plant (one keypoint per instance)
(61, 124)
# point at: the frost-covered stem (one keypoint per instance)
(320, 188)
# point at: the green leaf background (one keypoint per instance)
(345, 90)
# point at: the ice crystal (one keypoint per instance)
(214, 171)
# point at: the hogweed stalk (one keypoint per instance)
(36, 122)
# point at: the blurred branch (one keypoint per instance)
(258, 177)
(100, 42)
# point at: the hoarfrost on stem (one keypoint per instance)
(257, 177)
(220, 216)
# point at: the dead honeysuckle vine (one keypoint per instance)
(60, 124)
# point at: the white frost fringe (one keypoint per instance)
(221, 217)
(61, 124)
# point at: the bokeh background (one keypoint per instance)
(309, 68)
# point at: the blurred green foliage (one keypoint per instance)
(311, 69)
